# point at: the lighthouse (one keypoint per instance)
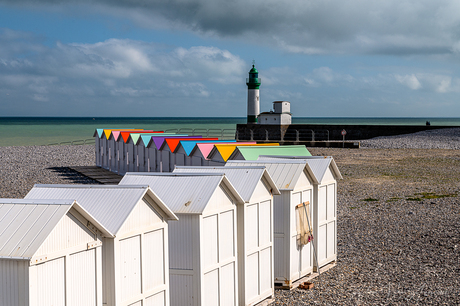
(253, 83)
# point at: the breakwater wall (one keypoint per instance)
(320, 132)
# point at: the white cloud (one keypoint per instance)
(113, 70)
(410, 81)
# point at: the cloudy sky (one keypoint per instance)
(330, 58)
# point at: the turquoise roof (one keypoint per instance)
(188, 145)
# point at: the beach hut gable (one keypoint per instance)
(70, 233)
(254, 228)
(48, 255)
(203, 242)
(261, 191)
(136, 259)
(110, 205)
(304, 180)
(220, 200)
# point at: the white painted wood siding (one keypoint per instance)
(256, 263)
(130, 268)
(82, 279)
(14, 282)
(292, 261)
(326, 227)
(50, 282)
(68, 233)
(141, 257)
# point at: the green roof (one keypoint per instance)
(253, 153)
(253, 70)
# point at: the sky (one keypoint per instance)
(191, 58)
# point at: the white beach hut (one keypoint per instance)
(98, 146)
(135, 253)
(293, 257)
(203, 243)
(152, 155)
(255, 229)
(324, 204)
(50, 254)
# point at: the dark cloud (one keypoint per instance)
(301, 26)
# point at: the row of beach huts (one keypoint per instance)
(176, 230)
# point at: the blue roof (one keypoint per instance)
(188, 145)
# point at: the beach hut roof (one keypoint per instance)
(147, 138)
(108, 132)
(284, 172)
(318, 164)
(103, 132)
(252, 153)
(158, 140)
(135, 136)
(189, 145)
(165, 140)
(110, 205)
(225, 150)
(172, 143)
(25, 224)
(245, 179)
(184, 193)
(206, 148)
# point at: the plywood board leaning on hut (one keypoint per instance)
(293, 259)
(324, 203)
(255, 229)
(50, 254)
(203, 243)
(136, 221)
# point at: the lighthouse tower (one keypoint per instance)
(253, 83)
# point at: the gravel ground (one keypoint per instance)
(398, 216)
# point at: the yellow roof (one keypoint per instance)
(227, 149)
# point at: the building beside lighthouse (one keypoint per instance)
(281, 113)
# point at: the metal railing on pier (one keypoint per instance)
(290, 135)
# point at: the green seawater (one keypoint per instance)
(28, 131)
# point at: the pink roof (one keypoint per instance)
(206, 148)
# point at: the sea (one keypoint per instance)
(30, 131)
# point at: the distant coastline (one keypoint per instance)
(27, 131)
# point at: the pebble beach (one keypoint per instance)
(398, 216)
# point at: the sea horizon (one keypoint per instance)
(41, 130)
